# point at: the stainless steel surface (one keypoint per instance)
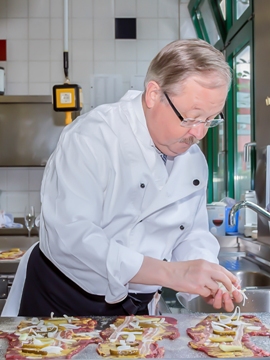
(174, 349)
(242, 204)
(258, 301)
(228, 241)
(29, 130)
(255, 247)
(253, 279)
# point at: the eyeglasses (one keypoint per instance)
(189, 123)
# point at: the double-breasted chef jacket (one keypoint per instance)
(108, 200)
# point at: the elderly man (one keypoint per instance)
(125, 189)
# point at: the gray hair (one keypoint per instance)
(181, 59)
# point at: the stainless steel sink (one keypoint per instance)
(258, 301)
(253, 279)
(255, 282)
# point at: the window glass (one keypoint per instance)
(209, 22)
(220, 176)
(243, 121)
(241, 6)
(222, 4)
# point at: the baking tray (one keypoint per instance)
(174, 349)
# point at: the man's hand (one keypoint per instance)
(199, 277)
(224, 299)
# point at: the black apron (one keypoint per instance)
(47, 289)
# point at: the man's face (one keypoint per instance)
(194, 102)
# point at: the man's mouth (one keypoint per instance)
(189, 141)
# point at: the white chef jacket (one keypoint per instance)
(108, 201)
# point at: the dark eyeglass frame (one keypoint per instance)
(184, 122)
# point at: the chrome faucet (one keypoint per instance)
(242, 204)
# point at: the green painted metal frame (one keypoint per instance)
(242, 39)
(229, 29)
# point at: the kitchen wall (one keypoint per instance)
(104, 67)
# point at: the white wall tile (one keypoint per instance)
(125, 50)
(56, 50)
(82, 50)
(147, 8)
(104, 67)
(17, 88)
(142, 67)
(168, 8)
(35, 178)
(103, 8)
(147, 28)
(126, 68)
(17, 29)
(57, 72)
(3, 200)
(57, 29)
(39, 28)
(78, 75)
(17, 8)
(103, 29)
(39, 71)
(124, 8)
(81, 8)
(34, 200)
(15, 47)
(3, 28)
(137, 82)
(17, 179)
(147, 49)
(56, 8)
(163, 43)
(168, 29)
(40, 88)
(82, 29)
(39, 8)
(3, 9)
(17, 71)
(3, 179)
(104, 50)
(187, 30)
(16, 202)
(39, 50)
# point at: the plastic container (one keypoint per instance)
(230, 229)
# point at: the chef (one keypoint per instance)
(124, 198)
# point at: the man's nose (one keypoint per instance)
(198, 131)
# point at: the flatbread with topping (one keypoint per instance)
(137, 336)
(224, 336)
(50, 338)
(11, 254)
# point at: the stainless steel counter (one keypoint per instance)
(174, 349)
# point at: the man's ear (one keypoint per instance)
(152, 94)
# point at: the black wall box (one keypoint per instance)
(125, 28)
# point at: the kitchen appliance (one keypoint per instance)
(2, 80)
(8, 268)
(29, 130)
